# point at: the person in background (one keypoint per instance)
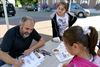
(81, 42)
(17, 41)
(61, 20)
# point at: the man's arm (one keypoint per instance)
(6, 58)
(39, 44)
(9, 60)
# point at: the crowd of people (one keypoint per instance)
(79, 42)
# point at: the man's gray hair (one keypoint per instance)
(25, 18)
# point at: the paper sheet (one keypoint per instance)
(32, 60)
(62, 55)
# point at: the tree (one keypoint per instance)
(18, 3)
(25, 2)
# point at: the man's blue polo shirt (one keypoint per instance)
(15, 44)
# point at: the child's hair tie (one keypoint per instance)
(86, 30)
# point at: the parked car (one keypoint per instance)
(78, 10)
(10, 9)
(31, 7)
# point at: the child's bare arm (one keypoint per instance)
(64, 65)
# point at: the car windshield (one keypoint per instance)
(75, 6)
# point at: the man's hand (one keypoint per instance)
(98, 52)
(18, 63)
(28, 51)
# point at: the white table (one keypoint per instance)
(50, 61)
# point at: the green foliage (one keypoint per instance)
(18, 3)
(25, 2)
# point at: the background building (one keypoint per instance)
(90, 3)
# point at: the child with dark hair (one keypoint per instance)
(61, 19)
(81, 43)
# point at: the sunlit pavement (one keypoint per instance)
(45, 26)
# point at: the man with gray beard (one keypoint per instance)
(17, 41)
